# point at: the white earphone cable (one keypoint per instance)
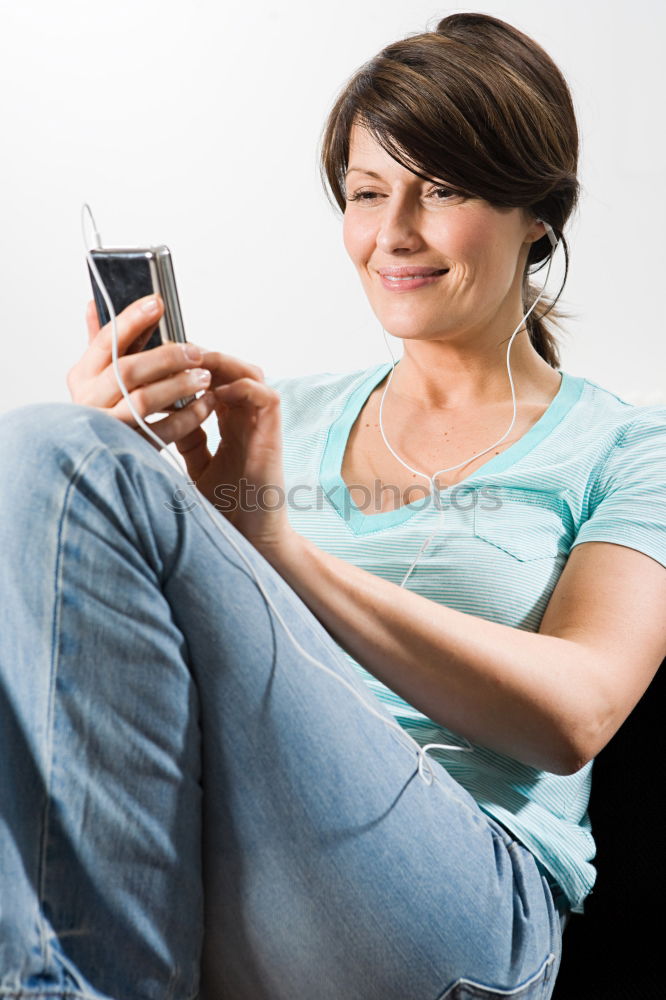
(434, 492)
(220, 523)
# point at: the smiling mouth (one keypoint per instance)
(410, 277)
(397, 279)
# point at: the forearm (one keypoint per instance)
(510, 690)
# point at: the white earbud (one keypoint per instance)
(550, 232)
(432, 479)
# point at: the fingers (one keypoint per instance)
(248, 414)
(247, 391)
(184, 427)
(138, 318)
(148, 367)
(178, 425)
(92, 320)
(194, 449)
(263, 404)
(159, 396)
(226, 368)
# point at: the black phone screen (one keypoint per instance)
(127, 278)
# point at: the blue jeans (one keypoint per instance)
(190, 808)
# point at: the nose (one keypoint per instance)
(398, 225)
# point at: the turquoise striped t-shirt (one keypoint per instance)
(592, 468)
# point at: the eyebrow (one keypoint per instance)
(371, 173)
(360, 170)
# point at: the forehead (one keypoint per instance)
(368, 157)
(364, 148)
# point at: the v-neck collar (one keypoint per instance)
(336, 489)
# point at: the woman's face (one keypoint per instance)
(397, 220)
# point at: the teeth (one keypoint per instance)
(408, 277)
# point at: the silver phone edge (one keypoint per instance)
(164, 282)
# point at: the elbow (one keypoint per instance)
(576, 753)
(573, 762)
(568, 747)
(583, 732)
(561, 756)
(564, 761)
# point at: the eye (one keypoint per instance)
(449, 192)
(362, 196)
(439, 193)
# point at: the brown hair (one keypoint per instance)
(481, 105)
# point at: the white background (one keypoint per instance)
(197, 124)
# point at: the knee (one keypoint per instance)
(38, 437)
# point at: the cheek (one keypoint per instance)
(349, 236)
(357, 236)
(469, 238)
(479, 248)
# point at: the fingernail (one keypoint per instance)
(200, 375)
(192, 352)
(150, 306)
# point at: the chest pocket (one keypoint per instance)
(527, 524)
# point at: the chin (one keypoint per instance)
(405, 328)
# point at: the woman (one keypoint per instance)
(194, 807)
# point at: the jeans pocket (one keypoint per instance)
(537, 987)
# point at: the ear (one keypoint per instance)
(550, 233)
(536, 232)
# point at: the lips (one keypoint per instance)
(410, 282)
(410, 272)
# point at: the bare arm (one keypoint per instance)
(550, 699)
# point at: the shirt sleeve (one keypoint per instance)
(628, 500)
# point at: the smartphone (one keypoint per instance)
(129, 273)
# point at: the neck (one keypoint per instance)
(442, 376)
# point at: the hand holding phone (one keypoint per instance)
(131, 273)
(154, 378)
(159, 368)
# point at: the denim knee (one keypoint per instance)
(36, 421)
(43, 433)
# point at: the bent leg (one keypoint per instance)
(100, 740)
(330, 868)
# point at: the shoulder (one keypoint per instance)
(605, 403)
(628, 448)
(618, 424)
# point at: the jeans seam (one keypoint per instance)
(38, 994)
(57, 600)
(58, 994)
(540, 977)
